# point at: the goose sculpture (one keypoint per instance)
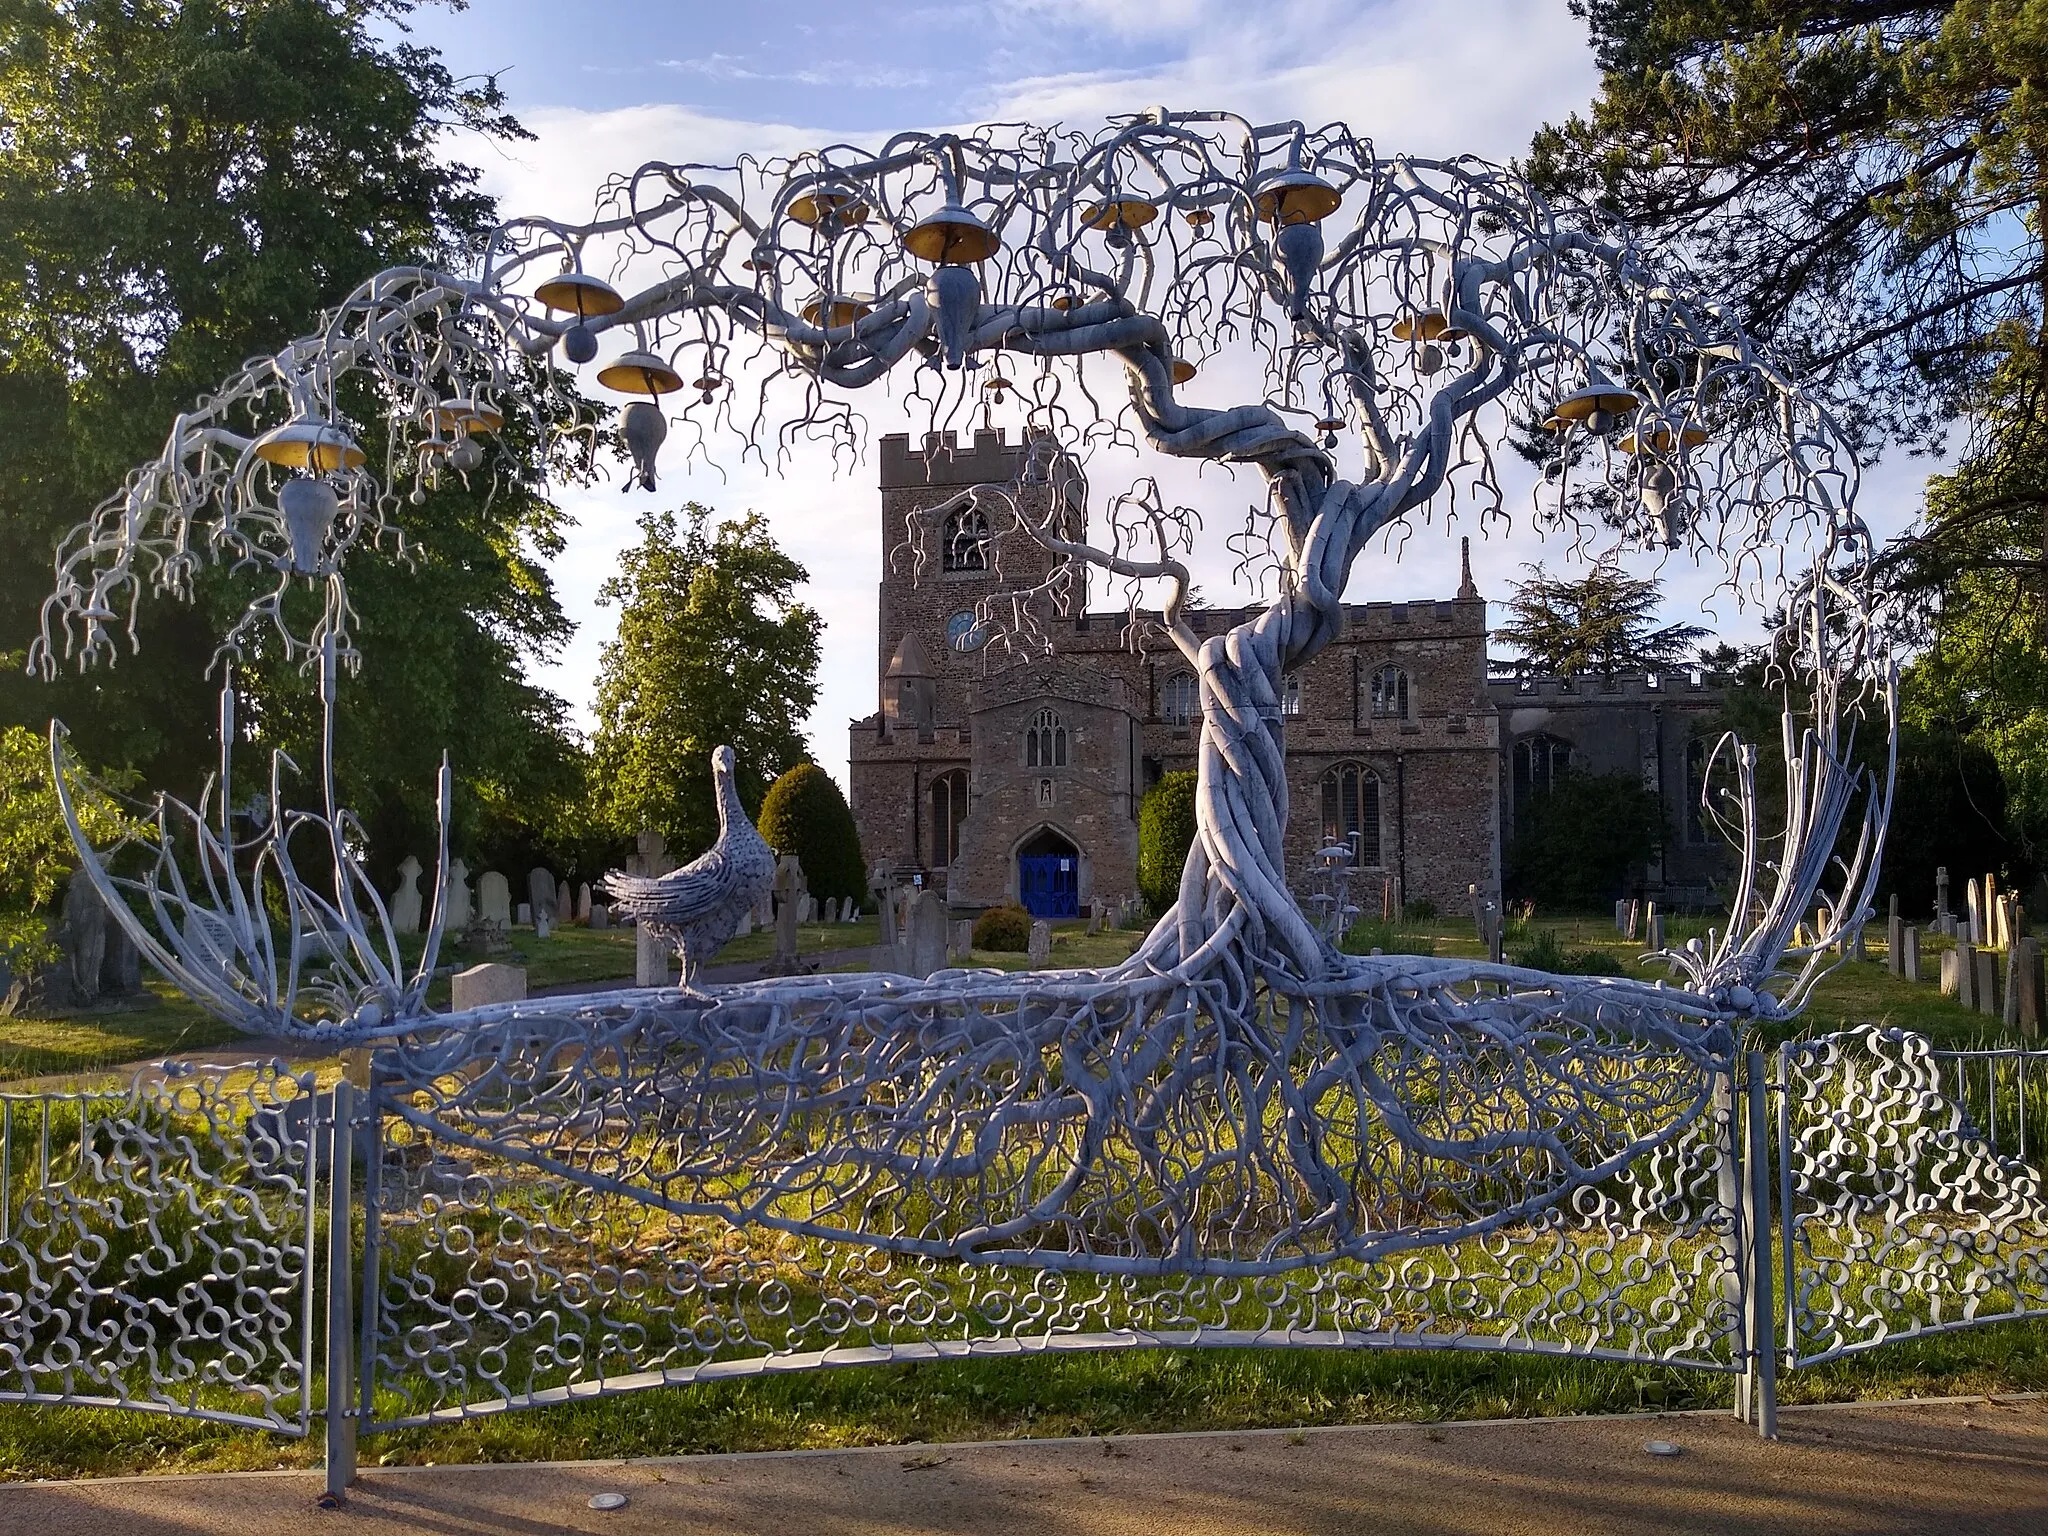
(698, 907)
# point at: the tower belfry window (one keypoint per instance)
(965, 546)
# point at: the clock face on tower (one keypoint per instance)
(963, 633)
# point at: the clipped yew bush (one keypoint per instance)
(1166, 831)
(805, 814)
(1003, 930)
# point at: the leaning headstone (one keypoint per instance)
(583, 902)
(494, 898)
(482, 985)
(927, 929)
(1041, 944)
(405, 901)
(457, 908)
(1973, 903)
(1987, 982)
(565, 902)
(1909, 961)
(540, 892)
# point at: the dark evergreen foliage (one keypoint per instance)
(805, 814)
(1166, 830)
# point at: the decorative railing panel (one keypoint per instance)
(656, 1191)
(154, 1247)
(1909, 1208)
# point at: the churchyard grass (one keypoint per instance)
(90, 1043)
(1108, 1395)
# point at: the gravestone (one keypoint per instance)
(1894, 941)
(82, 936)
(927, 929)
(540, 893)
(1987, 982)
(879, 883)
(459, 905)
(405, 901)
(494, 898)
(790, 897)
(524, 913)
(650, 956)
(482, 985)
(1940, 893)
(565, 902)
(746, 924)
(850, 913)
(1965, 971)
(963, 939)
(1856, 944)
(1041, 944)
(1909, 961)
(2023, 988)
(1094, 920)
(583, 902)
(121, 967)
(1656, 936)
(600, 917)
(1621, 916)
(1974, 911)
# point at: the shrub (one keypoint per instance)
(1166, 831)
(1574, 846)
(1003, 931)
(805, 814)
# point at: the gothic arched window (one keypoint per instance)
(1290, 696)
(1351, 810)
(949, 815)
(966, 540)
(1390, 694)
(1180, 700)
(1540, 762)
(1045, 744)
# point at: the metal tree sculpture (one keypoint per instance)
(1399, 317)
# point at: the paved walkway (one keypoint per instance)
(1978, 1467)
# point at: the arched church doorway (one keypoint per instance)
(1049, 875)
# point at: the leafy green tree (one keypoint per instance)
(1166, 831)
(805, 814)
(713, 649)
(1577, 845)
(35, 845)
(183, 185)
(1603, 621)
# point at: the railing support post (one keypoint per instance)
(341, 1416)
(1762, 1315)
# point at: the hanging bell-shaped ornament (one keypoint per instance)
(1301, 253)
(309, 507)
(954, 293)
(1431, 359)
(465, 454)
(646, 429)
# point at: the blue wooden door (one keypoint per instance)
(1049, 885)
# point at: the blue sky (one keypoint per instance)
(605, 85)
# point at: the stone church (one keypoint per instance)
(996, 778)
